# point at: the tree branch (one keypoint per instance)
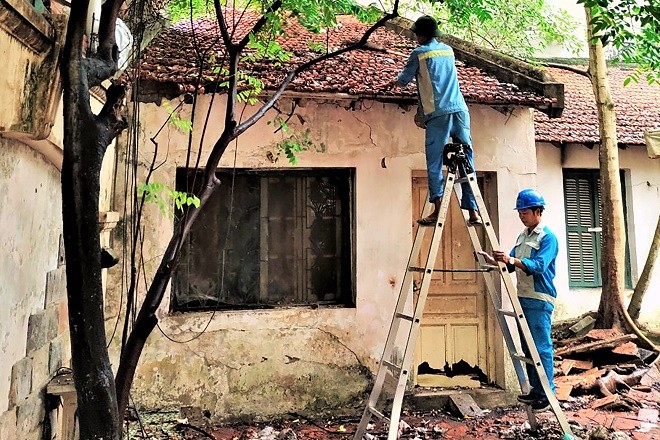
(146, 319)
(573, 69)
(222, 24)
(110, 119)
(292, 75)
(107, 43)
(259, 24)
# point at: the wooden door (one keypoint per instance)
(455, 322)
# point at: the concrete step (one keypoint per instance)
(427, 399)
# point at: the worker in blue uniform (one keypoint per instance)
(533, 259)
(442, 110)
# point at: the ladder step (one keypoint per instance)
(378, 414)
(422, 270)
(490, 267)
(461, 180)
(508, 313)
(522, 358)
(392, 365)
(416, 269)
(403, 316)
(429, 225)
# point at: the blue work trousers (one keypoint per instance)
(438, 131)
(539, 318)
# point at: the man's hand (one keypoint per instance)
(501, 256)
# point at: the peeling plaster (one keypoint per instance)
(269, 362)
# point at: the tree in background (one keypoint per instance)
(611, 312)
(633, 29)
(102, 398)
(517, 27)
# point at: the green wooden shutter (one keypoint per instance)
(583, 244)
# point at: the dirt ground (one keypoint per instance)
(508, 423)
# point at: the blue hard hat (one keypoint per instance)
(529, 198)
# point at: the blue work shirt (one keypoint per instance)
(537, 249)
(433, 65)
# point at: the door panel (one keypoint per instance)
(454, 323)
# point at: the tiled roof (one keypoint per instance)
(637, 110)
(171, 59)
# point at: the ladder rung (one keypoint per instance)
(429, 225)
(421, 269)
(522, 358)
(508, 313)
(392, 365)
(490, 267)
(416, 269)
(403, 316)
(378, 414)
(461, 180)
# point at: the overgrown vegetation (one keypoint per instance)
(518, 27)
(632, 27)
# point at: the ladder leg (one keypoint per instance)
(414, 320)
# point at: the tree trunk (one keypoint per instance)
(635, 305)
(86, 137)
(611, 309)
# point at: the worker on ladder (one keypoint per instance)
(533, 259)
(442, 110)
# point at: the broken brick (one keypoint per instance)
(628, 349)
(605, 401)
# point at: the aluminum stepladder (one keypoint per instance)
(457, 164)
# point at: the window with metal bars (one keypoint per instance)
(268, 238)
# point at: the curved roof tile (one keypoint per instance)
(637, 109)
(171, 58)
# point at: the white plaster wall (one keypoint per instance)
(238, 340)
(643, 207)
(30, 226)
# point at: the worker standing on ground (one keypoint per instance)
(442, 110)
(533, 259)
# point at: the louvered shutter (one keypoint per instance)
(583, 245)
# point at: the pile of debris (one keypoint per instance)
(609, 365)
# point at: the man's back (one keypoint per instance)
(437, 82)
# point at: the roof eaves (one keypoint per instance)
(503, 67)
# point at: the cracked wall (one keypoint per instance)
(260, 363)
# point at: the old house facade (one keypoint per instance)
(567, 154)
(287, 284)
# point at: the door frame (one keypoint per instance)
(494, 352)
